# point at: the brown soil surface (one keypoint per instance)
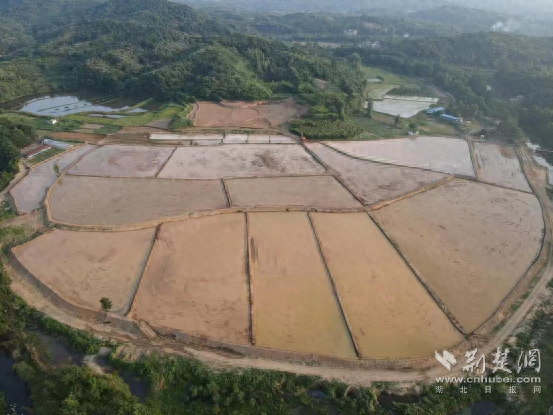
(239, 160)
(81, 200)
(390, 312)
(196, 281)
(83, 267)
(245, 114)
(386, 181)
(30, 192)
(294, 304)
(123, 161)
(319, 191)
(499, 164)
(446, 155)
(86, 138)
(471, 243)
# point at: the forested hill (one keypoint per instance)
(488, 50)
(151, 48)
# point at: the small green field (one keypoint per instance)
(377, 90)
(383, 126)
(387, 77)
(45, 155)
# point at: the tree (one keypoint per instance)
(369, 109)
(397, 121)
(510, 129)
(106, 305)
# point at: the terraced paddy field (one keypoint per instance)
(82, 200)
(441, 154)
(237, 160)
(123, 161)
(374, 182)
(294, 304)
(390, 312)
(196, 281)
(499, 164)
(30, 192)
(83, 267)
(471, 243)
(320, 191)
(308, 253)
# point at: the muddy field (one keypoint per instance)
(196, 281)
(245, 114)
(123, 161)
(318, 191)
(31, 191)
(81, 200)
(499, 164)
(471, 242)
(446, 155)
(237, 160)
(405, 108)
(294, 304)
(386, 181)
(390, 312)
(83, 267)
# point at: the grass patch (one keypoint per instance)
(181, 119)
(86, 119)
(379, 126)
(6, 212)
(388, 77)
(168, 111)
(107, 129)
(45, 155)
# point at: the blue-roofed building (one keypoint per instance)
(451, 118)
(435, 110)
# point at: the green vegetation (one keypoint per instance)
(325, 129)
(411, 91)
(12, 138)
(45, 155)
(181, 120)
(509, 77)
(6, 212)
(77, 390)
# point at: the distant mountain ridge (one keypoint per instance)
(540, 9)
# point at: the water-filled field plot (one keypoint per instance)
(499, 164)
(318, 191)
(238, 160)
(83, 267)
(446, 155)
(405, 107)
(123, 161)
(196, 280)
(390, 312)
(470, 241)
(82, 200)
(30, 192)
(374, 182)
(294, 304)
